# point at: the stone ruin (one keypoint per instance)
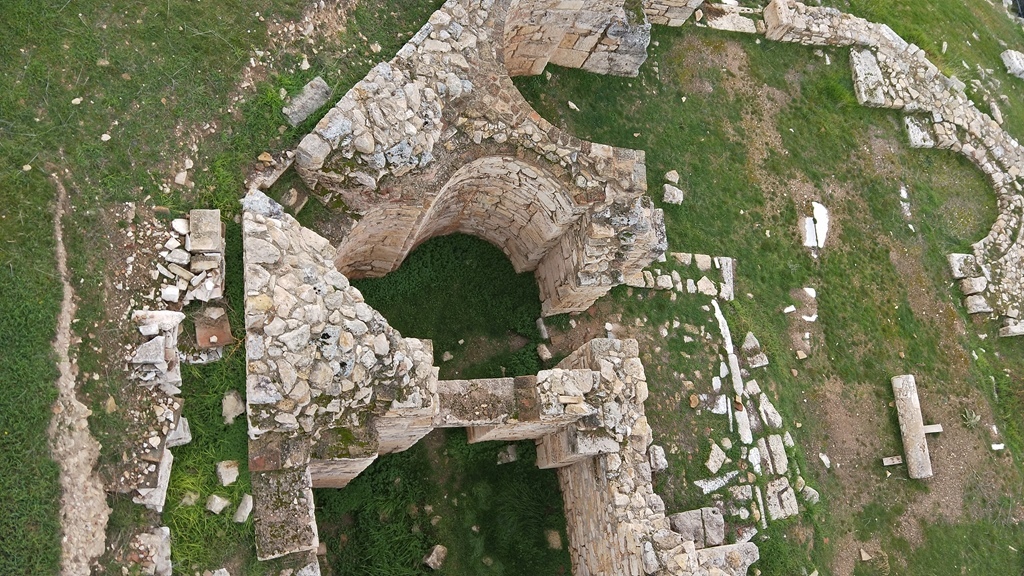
(439, 140)
(330, 387)
(889, 72)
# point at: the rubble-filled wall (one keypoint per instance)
(439, 140)
(670, 12)
(615, 521)
(330, 386)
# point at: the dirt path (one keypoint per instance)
(83, 506)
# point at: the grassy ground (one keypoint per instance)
(492, 518)
(695, 108)
(459, 288)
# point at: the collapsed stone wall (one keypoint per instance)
(615, 521)
(670, 12)
(439, 140)
(597, 35)
(892, 73)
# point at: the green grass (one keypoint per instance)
(456, 288)
(491, 518)
(864, 299)
(30, 295)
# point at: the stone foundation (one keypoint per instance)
(891, 73)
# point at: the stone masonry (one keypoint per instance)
(330, 386)
(892, 73)
(439, 140)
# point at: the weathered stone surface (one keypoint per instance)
(216, 503)
(436, 557)
(714, 526)
(657, 458)
(780, 499)
(690, 525)
(908, 409)
(227, 472)
(232, 406)
(1014, 62)
(204, 231)
(672, 195)
(314, 94)
(715, 459)
(243, 510)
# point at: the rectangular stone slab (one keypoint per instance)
(908, 407)
(205, 233)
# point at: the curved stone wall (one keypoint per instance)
(439, 140)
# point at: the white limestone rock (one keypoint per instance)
(227, 472)
(672, 195)
(217, 504)
(1014, 62)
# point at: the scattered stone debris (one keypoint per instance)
(244, 509)
(752, 352)
(216, 503)
(672, 195)
(155, 366)
(1014, 62)
(889, 72)
(508, 454)
(227, 472)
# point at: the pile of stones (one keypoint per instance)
(690, 276)
(203, 255)
(155, 366)
(750, 474)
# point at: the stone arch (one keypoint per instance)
(516, 206)
(440, 140)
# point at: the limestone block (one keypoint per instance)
(977, 304)
(908, 409)
(1014, 62)
(961, 265)
(314, 94)
(216, 503)
(243, 510)
(919, 132)
(227, 472)
(672, 194)
(974, 285)
(868, 83)
(204, 232)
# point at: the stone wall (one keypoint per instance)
(439, 140)
(330, 387)
(670, 12)
(595, 35)
(891, 73)
(615, 521)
